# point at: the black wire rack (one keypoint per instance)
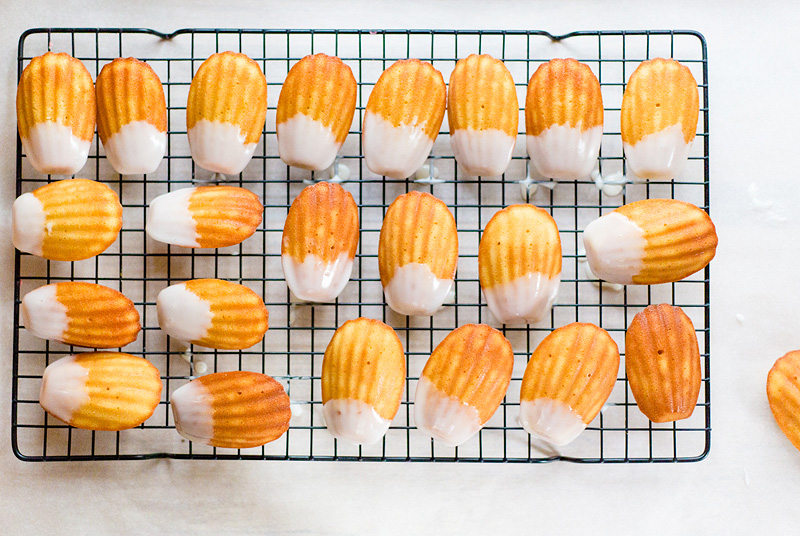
(293, 348)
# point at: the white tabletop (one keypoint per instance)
(745, 486)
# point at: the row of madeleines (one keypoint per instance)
(568, 379)
(646, 242)
(225, 115)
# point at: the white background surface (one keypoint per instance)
(749, 483)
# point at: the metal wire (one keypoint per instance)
(293, 348)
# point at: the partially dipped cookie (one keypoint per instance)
(80, 314)
(519, 260)
(56, 113)
(320, 239)
(212, 313)
(650, 242)
(662, 361)
(463, 383)
(363, 373)
(204, 216)
(568, 379)
(658, 119)
(131, 116)
(226, 111)
(315, 111)
(783, 393)
(67, 220)
(483, 113)
(101, 390)
(417, 254)
(402, 119)
(564, 119)
(234, 410)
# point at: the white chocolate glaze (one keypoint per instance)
(169, 219)
(564, 152)
(306, 143)
(315, 280)
(551, 420)
(658, 156)
(28, 224)
(193, 413)
(444, 417)
(416, 291)
(482, 152)
(64, 388)
(614, 248)
(136, 149)
(182, 314)
(220, 147)
(526, 299)
(43, 315)
(354, 421)
(394, 151)
(52, 148)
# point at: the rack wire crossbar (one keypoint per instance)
(293, 347)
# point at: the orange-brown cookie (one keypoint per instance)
(67, 220)
(463, 383)
(402, 119)
(226, 111)
(131, 116)
(212, 313)
(56, 113)
(80, 314)
(235, 410)
(362, 380)
(649, 242)
(417, 253)
(783, 392)
(568, 379)
(315, 111)
(101, 390)
(320, 240)
(662, 360)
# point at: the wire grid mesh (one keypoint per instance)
(295, 343)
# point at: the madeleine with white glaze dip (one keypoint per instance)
(564, 119)
(658, 119)
(319, 243)
(519, 260)
(650, 242)
(402, 119)
(417, 254)
(363, 373)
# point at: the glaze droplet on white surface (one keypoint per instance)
(444, 417)
(306, 143)
(551, 420)
(564, 152)
(191, 408)
(182, 314)
(170, 221)
(482, 152)
(43, 315)
(394, 151)
(658, 156)
(52, 148)
(525, 299)
(28, 222)
(137, 148)
(315, 280)
(614, 248)
(220, 147)
(63, 389)
(354, 421)
(414, 290)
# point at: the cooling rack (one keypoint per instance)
(295, 343)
